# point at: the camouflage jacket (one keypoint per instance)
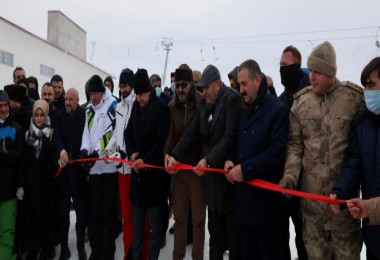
(318, 136)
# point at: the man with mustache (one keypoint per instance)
(215, 126)
(260, 152)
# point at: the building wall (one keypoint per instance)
(67, 35)
(30, 51)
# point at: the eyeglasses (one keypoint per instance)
(181, 85)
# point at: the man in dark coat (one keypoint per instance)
(361, 166)
(145, 137)
(72, 180)
(294, 79)
(59, 91)
(11, 148)
(260, 152)
(215, 126)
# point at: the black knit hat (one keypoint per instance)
(183, 75)
(126, 77)
(142, 83)
(109, 79)
(95, 84)
(15, 92)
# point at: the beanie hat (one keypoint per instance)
(210, 74)
(109, 79)
(142, 83)
(43, 105)
(4, 96)
(15, 92)
(126, 77)
(183, 75)
(323, 59)
(96, 84)
(153, 78)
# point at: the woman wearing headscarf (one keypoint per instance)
(38, 212)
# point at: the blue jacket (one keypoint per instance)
(11, 150)
(361, 166)
(261, 145)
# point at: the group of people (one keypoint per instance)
(321, 136)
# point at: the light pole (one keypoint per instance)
(167, 43)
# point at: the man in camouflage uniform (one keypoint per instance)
(318, 136)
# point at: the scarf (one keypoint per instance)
(37, 133)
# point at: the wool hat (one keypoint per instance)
(4, 96)
(109, 79)
(41, 104)
(126, 77)
(142, 83)
(95, 84)
(183, 75)
(323, 59)
(153, 78)
(210, 74)
(16, 92)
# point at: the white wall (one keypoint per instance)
(30, 51)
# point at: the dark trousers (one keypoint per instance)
(371, 256)
(294, 212)
(154, 215)
(263, 244)
(223, 231)
(103, 197)
(72, 184)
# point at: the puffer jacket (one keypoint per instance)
(318, 137)
(117, 142)
(100, 123)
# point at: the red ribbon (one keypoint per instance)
(254, 182)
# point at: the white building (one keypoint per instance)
(64, 53)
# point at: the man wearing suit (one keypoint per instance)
(215, 126)
(260, 151)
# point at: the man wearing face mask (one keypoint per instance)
(292, 77)
(361, 166)
(155, 82)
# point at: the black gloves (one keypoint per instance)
(84, 155)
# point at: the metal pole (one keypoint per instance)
(167, 43)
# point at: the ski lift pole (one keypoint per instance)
(167, 43)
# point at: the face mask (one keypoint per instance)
(172, 86)
(372, 100)
(291, 76)
(158, 91)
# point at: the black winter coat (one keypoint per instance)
(146, 133)
(361, 166)
(38, 212)
(218, 140)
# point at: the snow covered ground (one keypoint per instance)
(166, 252)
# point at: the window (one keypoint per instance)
(6, 58)
(46, 70)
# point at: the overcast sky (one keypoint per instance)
(219, 32)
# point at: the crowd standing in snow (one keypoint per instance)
(321, 136)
